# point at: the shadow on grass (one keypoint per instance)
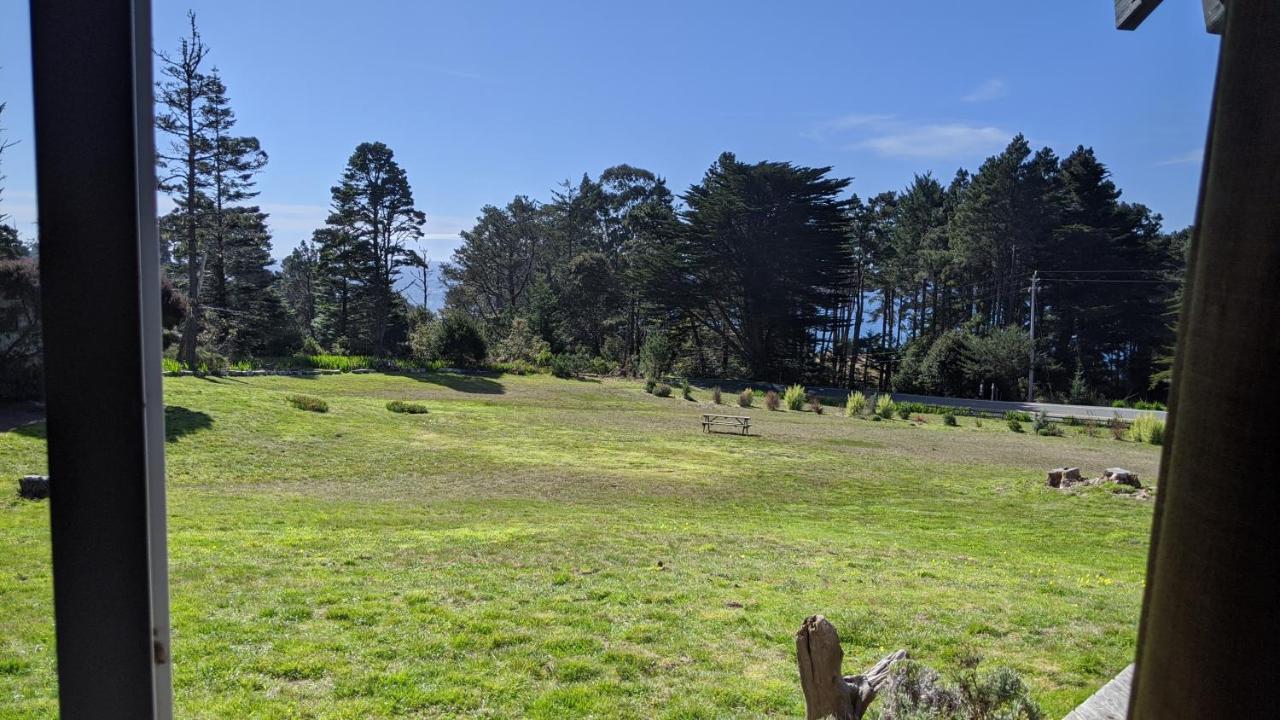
(179, 421)
(476, 383)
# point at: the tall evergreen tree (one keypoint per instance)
(373, 203)
(233, 163)
(299, 284)
(762, 254)
(181, 96)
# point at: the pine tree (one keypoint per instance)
(181, 96)
(254, 318)
(763, 257)
(232, 164)
(299, 287)
(374, 204)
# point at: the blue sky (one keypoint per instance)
(485, 100)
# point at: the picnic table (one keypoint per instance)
(739, 422)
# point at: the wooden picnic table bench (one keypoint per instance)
(740, 422)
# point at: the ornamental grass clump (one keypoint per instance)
(793, 397)
(885, 406)
(745, 398)
(306, 402)
(662, 390)
(855, 404)
(772, 401)
(1147, 428)
(715, 395)
(815, 405)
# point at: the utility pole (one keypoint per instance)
(1031, 369)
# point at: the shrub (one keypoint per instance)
(657, 353)
(513, 367)
(1042, 426)
(855, 404)
(1147, 428)
(1018, 415)
(915, 407)
(745, 398)
(715, 395)
(919, 419)
(915, 692)
(793, 397)
(600, 366)
(1091, 428)
(1014, 424)
(211, 363)
(662, 390)
(1116, 425)
(885, 406)
(455, 338)
(521, 343)
(411, 408)
(306, 402)
(567, 365)
(649, 384)
(1149, 405)
(772, 401)
(1120, 404)
(311, 347)
(949, 418)
(903, 410)
(815, 404)
(686, 391)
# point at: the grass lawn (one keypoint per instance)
(534, 547)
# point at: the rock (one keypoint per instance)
(33, 487)
(1122, 476)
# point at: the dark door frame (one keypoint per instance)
(100, 295)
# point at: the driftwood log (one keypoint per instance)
(828, 693)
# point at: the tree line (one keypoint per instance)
(762, 270)
(774, 272)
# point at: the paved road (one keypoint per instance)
(1054, 410)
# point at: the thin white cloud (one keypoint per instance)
(889, 136)
(992, 89)
(845, 123)
(940, 141)
(1187, 158)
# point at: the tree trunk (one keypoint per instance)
(827, 693)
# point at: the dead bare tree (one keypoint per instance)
(827, 693)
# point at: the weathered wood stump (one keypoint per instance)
(33, 487)
(1063, 477)
(828, 693)
(1122, 476)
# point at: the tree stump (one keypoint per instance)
(827, 693)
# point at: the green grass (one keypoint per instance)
(548, 548)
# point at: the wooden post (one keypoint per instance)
(1210, 634)
(827, 693)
